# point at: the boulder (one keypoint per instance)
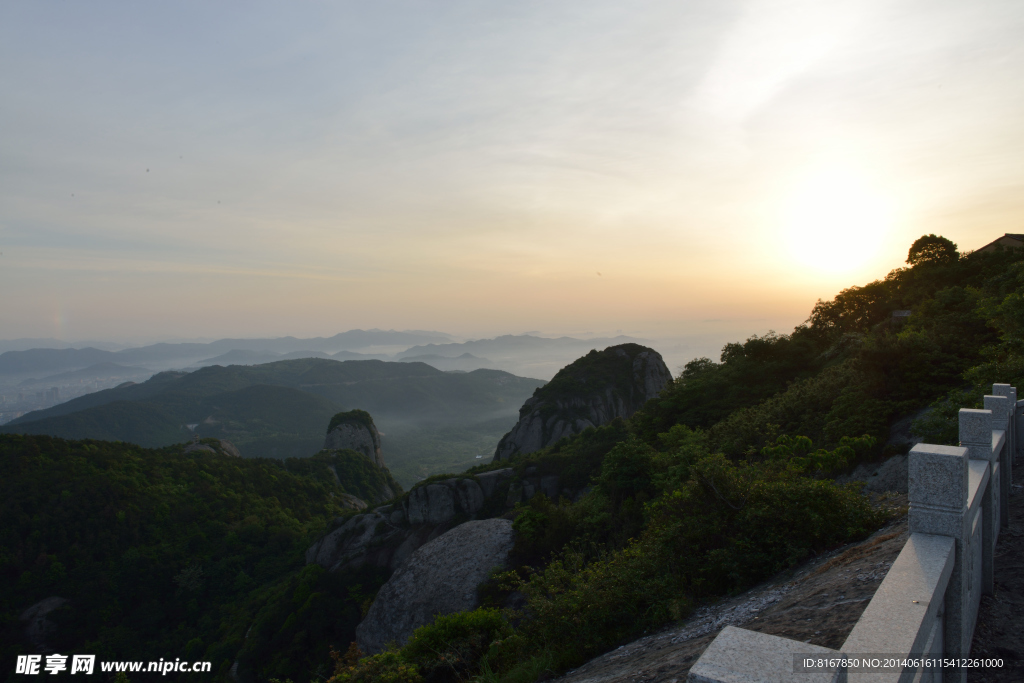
(439, 578)
(591, 391)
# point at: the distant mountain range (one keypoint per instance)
(523, 355)
(280, 409)
(97, 371)
(165, 355)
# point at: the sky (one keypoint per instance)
(694, 169)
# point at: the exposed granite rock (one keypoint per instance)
(37, 626)
(221, 446)
(817, 603)
(439, 578)
(592, 391)
(355, 430)
(229, 448)
(352, 503)
(387, 535)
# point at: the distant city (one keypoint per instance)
(16, 401)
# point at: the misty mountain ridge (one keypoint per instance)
(433, 419)
(523, 355)
(63, 357)
(97, 371)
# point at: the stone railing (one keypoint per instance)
(927, 605)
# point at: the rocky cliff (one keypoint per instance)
(354, 430)
(592, 391)
(386, 536)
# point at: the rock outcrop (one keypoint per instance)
(592, 391)
(386, 536)
(222, 446)
(354, 430)
(439, 578)
(38, 627)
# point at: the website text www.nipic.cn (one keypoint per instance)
(86, 664)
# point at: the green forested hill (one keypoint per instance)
(280, 409)
(165, 553)
(728, 476)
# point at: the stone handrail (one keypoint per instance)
(927, 604)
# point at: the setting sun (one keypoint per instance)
(835, 220)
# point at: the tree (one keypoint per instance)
(932, 249)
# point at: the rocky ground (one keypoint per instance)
(820, 602)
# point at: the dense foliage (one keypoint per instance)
(598, 371)
(164, 553)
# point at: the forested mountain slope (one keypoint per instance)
(163, 553)
(279, 409)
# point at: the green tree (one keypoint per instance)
(932, 249)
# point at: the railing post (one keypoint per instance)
(1009, 453)
(971, 425)
(938, 481)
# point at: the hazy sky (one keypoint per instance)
(664, 168)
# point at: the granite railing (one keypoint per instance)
(927, 605)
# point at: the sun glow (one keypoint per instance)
(836, 221)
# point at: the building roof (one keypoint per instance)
(1011, 240)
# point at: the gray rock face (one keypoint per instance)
(37, 626)
(351, 502)
(356, 437)
(387, 535)
(230, 448)
(590, 392)
(439, 578)
(223, 447)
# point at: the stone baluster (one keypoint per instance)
(938, 488)
(1001, 413)
(1009, 453)
(978, 435)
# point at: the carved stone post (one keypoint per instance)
(938, 481)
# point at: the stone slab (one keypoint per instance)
(900, 617)
(741, 656)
